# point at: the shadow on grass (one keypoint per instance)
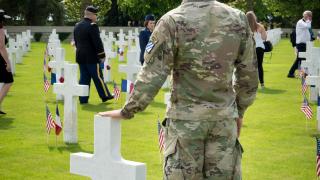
(271, 91)
(96, 107)
(5, 122)
(72, 148)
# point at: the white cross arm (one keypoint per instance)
(78, 90)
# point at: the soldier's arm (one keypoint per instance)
(96, 40)
(158, 64)
(246, 73)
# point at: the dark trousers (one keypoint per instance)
(260, 53)
(88, 71)
(301, 48)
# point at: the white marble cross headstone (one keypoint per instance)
(130, 37)
(21, 44)
(310, 66)
(121, 43)
(131, 69)
(70, 89)
(315, 80)
(109, 55)
(111, 37)
(58, 65)
(14, 46)
(106, 163)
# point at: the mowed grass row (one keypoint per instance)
(278, 142)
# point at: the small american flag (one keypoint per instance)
(318, 157)
(131, 87)
(116, 91)
(46, 83)
(304, 86)
(161, 136)
(306, 109)
(301, 73)
(50, 123)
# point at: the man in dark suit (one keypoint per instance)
(90, 53)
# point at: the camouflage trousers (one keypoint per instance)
(202, 150)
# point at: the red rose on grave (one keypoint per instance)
(108, 67)
(61, 80)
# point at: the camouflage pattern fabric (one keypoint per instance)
(196, 150)
(201, 44)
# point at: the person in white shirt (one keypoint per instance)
(303, 35)
(260, 35)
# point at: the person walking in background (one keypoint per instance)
(149, 23)
(6, 76)
(260, 35)
(90, 54)
(201, 44)
(303, 35)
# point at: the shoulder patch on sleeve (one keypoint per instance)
(92, 24)
(153, 41)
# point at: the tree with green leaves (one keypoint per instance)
(34, 12)
(75, 9)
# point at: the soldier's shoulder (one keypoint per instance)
(93, 24)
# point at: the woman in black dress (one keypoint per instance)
(5, 68)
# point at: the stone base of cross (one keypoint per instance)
(106, 162)
(315, 80)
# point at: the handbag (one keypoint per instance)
(267, 46)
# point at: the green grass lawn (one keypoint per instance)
(278, 142)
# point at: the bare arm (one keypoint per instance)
(263, 32)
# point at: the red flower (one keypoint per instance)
(61, 80)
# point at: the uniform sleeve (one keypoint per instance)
(246, 73)
(96, 40)
(158, 64)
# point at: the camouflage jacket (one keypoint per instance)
(208, 49)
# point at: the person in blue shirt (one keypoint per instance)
(149, 24)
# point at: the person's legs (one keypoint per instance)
(97, 76)
(184, 150)
(85, 79)
(7, 79)
(260, 53)
(296, 64)
(222, 151)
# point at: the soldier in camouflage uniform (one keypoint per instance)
(201, 43)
